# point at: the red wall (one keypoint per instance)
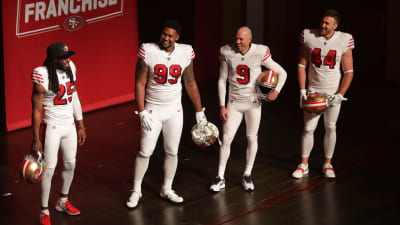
(105, 39)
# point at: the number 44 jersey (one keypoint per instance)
(57, 106)
(324, 58)
(165, 71)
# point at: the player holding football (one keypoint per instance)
(54, 91)
(324, 50)
(158, 95)
(240, 64)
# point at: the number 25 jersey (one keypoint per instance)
(165, 72)
(57, 107)
(324, 58)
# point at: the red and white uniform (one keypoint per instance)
(242, 71)
(165, 72)
(163, 94)
(324, 58)
(57, 107)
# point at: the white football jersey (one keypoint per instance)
(57, 107)
(324, 58)
(243, 70)
(164, 85)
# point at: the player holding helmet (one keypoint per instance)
(240, 64)
(54, 91)
(324, 50)
(158, 95)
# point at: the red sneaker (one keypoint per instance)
(44, 219)
(67, 207)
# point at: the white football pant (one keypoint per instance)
(57, 136)
(169, 120)
(252, 116)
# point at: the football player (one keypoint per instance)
(158, 92)
(240, 65)
(324, 51)
(54, 91)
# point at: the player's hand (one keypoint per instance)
(81, 135)
(201, 118)
(145, 120)
(303, 96)
(36, 147)
(336, 100)
(223, 113)
(272, 95)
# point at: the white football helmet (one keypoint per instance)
(266, 82)
(206, 135)
(31, 169)
(316, 103)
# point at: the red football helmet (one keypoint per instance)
(316, 103)
(31, 169)
(266, 82)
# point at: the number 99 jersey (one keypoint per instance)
(324, 58)
(165, 71)
(57, 107)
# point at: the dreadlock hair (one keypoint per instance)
(52, 66)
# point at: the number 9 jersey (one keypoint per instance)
(57, 107)
(165, 71)
(324, 58)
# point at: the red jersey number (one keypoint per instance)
(161, 72)
(67, 90)
(244, 74)
(329, 60)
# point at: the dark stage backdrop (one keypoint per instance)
(103, 33)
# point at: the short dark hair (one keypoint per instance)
(174, 25)
(332, 13)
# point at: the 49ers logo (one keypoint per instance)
(73, 23)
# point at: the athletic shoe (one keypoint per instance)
(217, 184)
(300, 171)
(134, 199)
(328, 171)
(67, 207)
(44, 219)
(171, 196)
(247, 183)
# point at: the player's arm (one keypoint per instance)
(282, 75)
(223, 76)
(37, 105)
(301, 68)
(140, 83)
(191, 87)
(77, 110)
(347, 65)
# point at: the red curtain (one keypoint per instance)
(102, 32)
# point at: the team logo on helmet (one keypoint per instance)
(205, 136)
(73, 23)
(31, 169)
(266, 82)
(316, 103)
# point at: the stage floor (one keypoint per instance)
(364, 192)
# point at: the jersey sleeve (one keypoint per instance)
(350, 41)
(301, 37)
(266, 52)
(142, 52)
(40, 76)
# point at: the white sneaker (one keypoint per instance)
(217, 184)
(328, 171)
(171, 196)
(67, 207)
(247, 184)
(134, 199)
(300, 171)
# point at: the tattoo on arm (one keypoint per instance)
(141, 70)
(188, 74)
